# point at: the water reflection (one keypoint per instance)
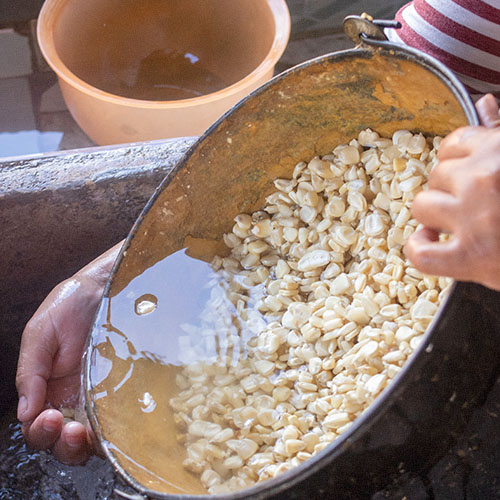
(145, 304)
(173, 293)
(176, 313)
(163, 75)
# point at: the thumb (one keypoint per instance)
(38, 349)
(487, 109)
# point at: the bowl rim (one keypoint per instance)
(45, 36)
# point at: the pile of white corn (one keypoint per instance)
(311, 315)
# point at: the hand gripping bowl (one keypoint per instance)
(301, 113)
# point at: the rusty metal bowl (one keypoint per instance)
(304, 112)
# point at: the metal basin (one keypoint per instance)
(304, 112)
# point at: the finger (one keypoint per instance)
(443, 177)
(448, 175)
(99, 269)
(38, 349)
(436, 210)
(428, 234)
(487, 109)
(440, 258)
(44, 431)
(72, 447)
(456, 144)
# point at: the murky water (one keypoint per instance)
(30, 475)
(133, 373)
(163, 75)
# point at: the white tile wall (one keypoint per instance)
(16, 108)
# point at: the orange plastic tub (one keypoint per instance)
(133, 71)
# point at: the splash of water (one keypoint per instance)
(32, 475)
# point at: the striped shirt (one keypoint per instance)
(463, 34)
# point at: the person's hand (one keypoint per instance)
(48, 371)
(463, 200)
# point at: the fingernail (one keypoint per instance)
(50, 425)
(22, 407)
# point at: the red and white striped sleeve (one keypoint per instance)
(463, 34)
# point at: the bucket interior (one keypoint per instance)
(303, 113)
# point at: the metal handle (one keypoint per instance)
(364, 30)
